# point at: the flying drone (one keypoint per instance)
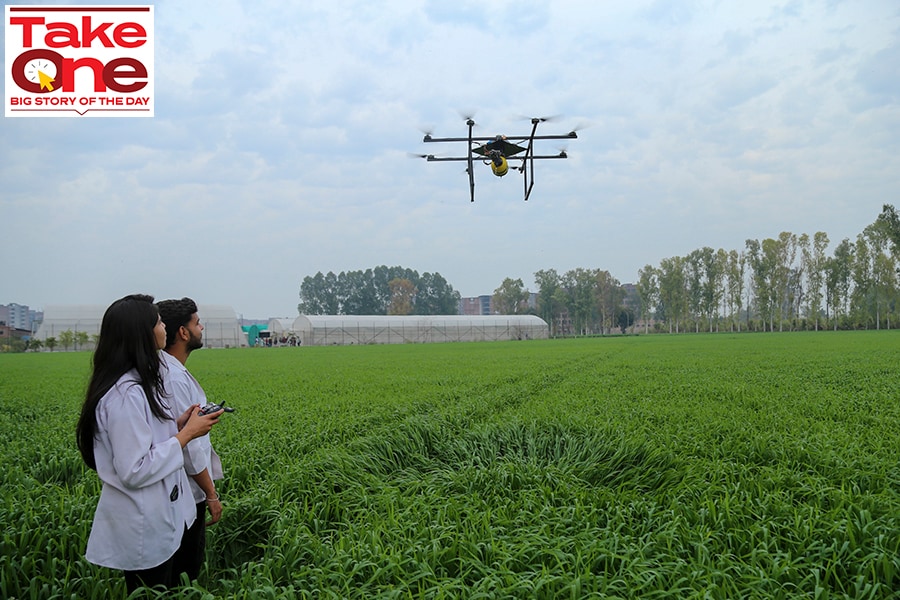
(498, 151)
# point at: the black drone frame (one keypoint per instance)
(527, 166)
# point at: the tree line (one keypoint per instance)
(773, 284)
(68, 338)
(379, 291)
(789, 282)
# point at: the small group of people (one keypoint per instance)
(142, 431)
(271, 342)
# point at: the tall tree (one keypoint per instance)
(734, 285)
(436, 296)
(884, 273)
(890, 221)
(805, 250)
(549, 307)
(816, 276)
(837, 280)
(579, 284)
(609, 295)
(81, 339)
(624, 318)
(66, 338)
(403, 294)
(673, 299)
(511, 298)
(886, 290)
(648, 292)
(862, 298)
(319, 295)
(693, 264)
(764, 278)
(711, 265)
(563, 317)
(360, 297)
(718, 274)
(786, 282)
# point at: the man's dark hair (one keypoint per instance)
(175, 314)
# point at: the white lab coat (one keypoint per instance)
(145, 504)
(183, 391)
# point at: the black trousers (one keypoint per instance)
(160, 575)
(187, 559)
(190, 555)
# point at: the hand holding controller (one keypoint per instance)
(211, 408)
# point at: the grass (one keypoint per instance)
(692, 466)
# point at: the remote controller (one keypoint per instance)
(211, 408)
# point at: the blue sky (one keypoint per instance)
(279, 146)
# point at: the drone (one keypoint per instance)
(498, 151)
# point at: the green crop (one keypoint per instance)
(692, 466)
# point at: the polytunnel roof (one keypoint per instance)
(279, 324)
(400, 320)
(96, 311)
(74, 311)
(215, 311)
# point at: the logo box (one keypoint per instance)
(79, 61)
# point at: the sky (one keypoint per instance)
(281, 142)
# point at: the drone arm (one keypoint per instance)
(433, 158)
(528, 178)
(428, 139)
(470, 170)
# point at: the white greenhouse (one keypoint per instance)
(280, 326)
(220, 324)
(327, 330)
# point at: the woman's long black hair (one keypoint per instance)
(126, 342)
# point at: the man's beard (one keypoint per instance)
(194, 343)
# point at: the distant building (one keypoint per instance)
(484, 305)
(17, 316)
(479, 305)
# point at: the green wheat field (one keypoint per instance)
(690, 466)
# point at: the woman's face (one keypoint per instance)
(160, 332)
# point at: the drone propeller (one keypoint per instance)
(468, 116)
(427, 130)
(425, 156)
(547, 119)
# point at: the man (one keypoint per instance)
(183, 336)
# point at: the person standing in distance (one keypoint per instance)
(184, 334)
(129, 434)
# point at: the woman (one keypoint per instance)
(128, 434)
